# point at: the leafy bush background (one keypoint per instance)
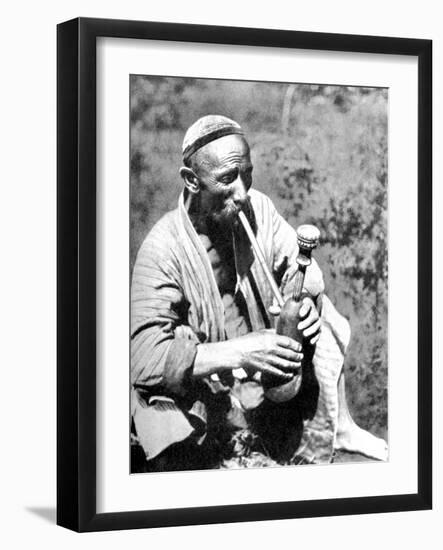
(320, 153)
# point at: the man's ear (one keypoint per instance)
(190, 179)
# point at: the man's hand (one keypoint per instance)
(310, 321)
(267, 351)
(263, 351)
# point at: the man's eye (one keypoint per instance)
(228, 178)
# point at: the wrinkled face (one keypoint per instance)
(224, 170)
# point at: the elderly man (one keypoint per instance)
(201, 329)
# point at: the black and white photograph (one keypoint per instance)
(259, 274)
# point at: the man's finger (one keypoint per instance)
(289, 354)
(315, 327)
(260, 365)
(305, 308)
(289, 343)
(284, 364)
(275, 372)
(310, 319)
(314, 340)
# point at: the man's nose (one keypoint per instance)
(240, 193)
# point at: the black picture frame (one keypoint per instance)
(76, 280)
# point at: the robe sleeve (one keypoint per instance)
(159, 356)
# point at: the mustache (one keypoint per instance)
(224, 213)
(229, 214)
(231, 207)
(234, 207)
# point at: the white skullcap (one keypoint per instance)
(207, 129)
